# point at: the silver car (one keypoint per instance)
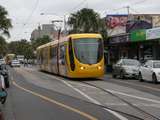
(126, 68)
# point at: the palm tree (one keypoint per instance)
(86, 21)
(5, 22)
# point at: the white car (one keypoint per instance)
(150, 71)
(2, 61)
(15, 63)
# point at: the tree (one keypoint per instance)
(3, 46)
(40, 41)
(22, 47)
(86, 21)
(5, 22)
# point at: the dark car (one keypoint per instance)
(126, 68)
(3, 92)
(4, 72)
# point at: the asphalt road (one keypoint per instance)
(145, 86)
(39, 96)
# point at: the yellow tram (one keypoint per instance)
(74, 56)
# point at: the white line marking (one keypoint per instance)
(133, 96)
(139, 104)
(117, 115)
(83, 85)
(82, 93)
(95, 101)
(144, 86)
(121, 93)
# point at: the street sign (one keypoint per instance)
(153, 33)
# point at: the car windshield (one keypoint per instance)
(131, 62)
(88, 50)
(156, 64)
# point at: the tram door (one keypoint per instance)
(62, 60)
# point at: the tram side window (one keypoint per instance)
(53, 54)
(41, 54)
(38, 57)
(71, 56)
(62, 54)
(44, 56)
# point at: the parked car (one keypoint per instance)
(15, 63)
(2, 61)
(3, 92)
(126, 68)
(4, 72)
(150, 71)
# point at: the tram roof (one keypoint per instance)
(85, 35)
(73, 36)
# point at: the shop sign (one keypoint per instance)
(116, 24)
(153, 33)
(138, 35)
(119, 39)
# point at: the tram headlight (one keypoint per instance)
(99, 67)
(82, 68)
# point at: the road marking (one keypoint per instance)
(140, 104)
(83, 85)
(133, 96)
(56, 102)
(156, 89)
(94, 101)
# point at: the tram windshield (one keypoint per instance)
(88, 50)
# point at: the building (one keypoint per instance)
(135, 38)
(45, 29)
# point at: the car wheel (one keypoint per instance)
(121, 75)
(140, 77)
(154, 78)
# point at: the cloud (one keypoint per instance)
(19, 11)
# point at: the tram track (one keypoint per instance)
(146, 115)
(85, 101)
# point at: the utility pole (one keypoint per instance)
(65, 23)
(128, 10)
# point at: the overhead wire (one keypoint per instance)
(131, 4)
(78, 5)
(28, 18)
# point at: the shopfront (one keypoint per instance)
(118, 47)
(140, 44)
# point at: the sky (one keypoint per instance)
(26, 14)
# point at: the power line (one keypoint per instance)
(134, 10)
(78, 5)
(131, 4)
(29, 17)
